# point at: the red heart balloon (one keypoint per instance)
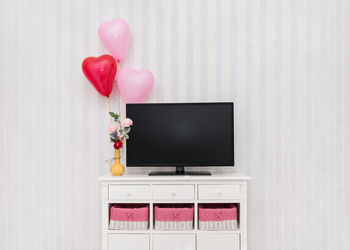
(101, 71)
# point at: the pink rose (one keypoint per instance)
(113, 128)
(127, 122)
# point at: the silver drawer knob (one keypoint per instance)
(219, 192)
(173, 193)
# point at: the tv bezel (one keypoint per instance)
(187, 165)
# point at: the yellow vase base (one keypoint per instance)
(117, 169)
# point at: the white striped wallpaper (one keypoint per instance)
(281, 62)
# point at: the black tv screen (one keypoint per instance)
(180, 134)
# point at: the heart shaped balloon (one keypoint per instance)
(100, 71)
(115, 36)
(134, 85)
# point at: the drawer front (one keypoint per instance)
(173, 192)
(128, 241)
(175, 242)
(129, 192)
(218, 241)
(219, 192)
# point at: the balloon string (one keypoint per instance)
(121, 67)
(110, 109)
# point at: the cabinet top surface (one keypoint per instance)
(145, 177)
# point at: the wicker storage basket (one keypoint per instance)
(129, 217)
(173, 217)
(217, 217)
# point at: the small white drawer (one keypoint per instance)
(173, 192)
(219, 192)
(174, 242)
(128, 241)
(218, 241)
(129, 192)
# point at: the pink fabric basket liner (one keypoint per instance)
(217, 212)
(173, 212)
(126, 212)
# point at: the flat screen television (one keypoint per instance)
(179, 135)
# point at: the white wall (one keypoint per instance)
(347, 115)
(281, 62)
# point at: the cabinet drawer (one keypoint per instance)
(128, 241)
(175, 242)
(173, 192)
(218, 192)
(218, 241)
(129, 192)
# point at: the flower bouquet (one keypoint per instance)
(119, 135)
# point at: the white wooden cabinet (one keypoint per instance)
(131, 188)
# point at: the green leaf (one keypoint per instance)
(126, 136)
(112, 114)
(112, 139)
(127, 130)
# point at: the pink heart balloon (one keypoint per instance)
(134, 85)
(115, 36)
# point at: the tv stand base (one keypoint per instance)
(180, 170)
(153, 173)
